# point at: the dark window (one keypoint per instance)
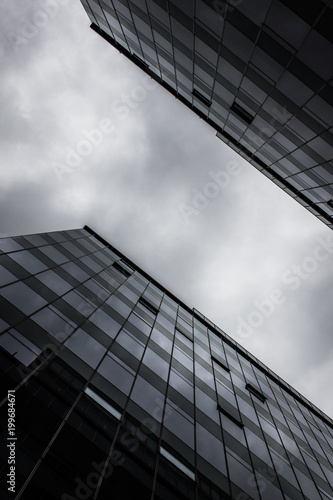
(120, 268)
(241, 112)
(255, 392)
(222, 365)
(148, 305)
(127, 265)
(140, 62)
(184, 333)
(330, 203)
(231, 417)
(201, 98)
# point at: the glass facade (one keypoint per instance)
(260, 73)
(123, 391)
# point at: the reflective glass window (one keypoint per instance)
(206, 405)
(28, 261)
(242, 477)
(53, 323)
(139, 323)
(148, 397)
(210, 448)
(53, 281)
(19, 346)
(23, 297)
(115, 371)
(80, 303)
(86, 347)
(130, 343)
(181, 384)
(88, 261)
(9, 245)
(75, 271)
(52, 253)
(161, 340)
(156, 363)
(109, 325)
(179, 425)
(72, 248)
(183, 358)
(6, 276)
(118, 305)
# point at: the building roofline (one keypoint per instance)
(221, 334)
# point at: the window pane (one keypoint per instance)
(116, 373)
(109, 325)
(86, 347)
(23, 297)
(28, 261)
(53, 281)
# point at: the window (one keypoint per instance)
(182, 335)
(102, 403)
(23, 297)
(177, 463)
(20, 347)
(127, 265)
(255, 392)
(121, 269)
(140, 62)
(222, 365)
(148, 305)
(117, 372)
(241, 112)
(231, 417)
(201, 98)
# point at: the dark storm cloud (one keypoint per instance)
(130, 183)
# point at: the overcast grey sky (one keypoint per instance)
(144, 181)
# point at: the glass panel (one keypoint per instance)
(116, 373)
(243, 477)
(210, 448)
(53, 281)
(177, 463)
(179, 425)
(86, 347)
(131, 344)
(109, 325)
(75, 271)
(28, 261)
(9, 245)
(53, 254)
(18, 349)
(156, 363)
(102, 403)
(23, 297)
(181, 384)
(148, 397)
(161, 340)
(6, 276)
(53, 324)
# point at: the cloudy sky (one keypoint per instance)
(86, 138)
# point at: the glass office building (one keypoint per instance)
(120, 390)
(259, 72)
